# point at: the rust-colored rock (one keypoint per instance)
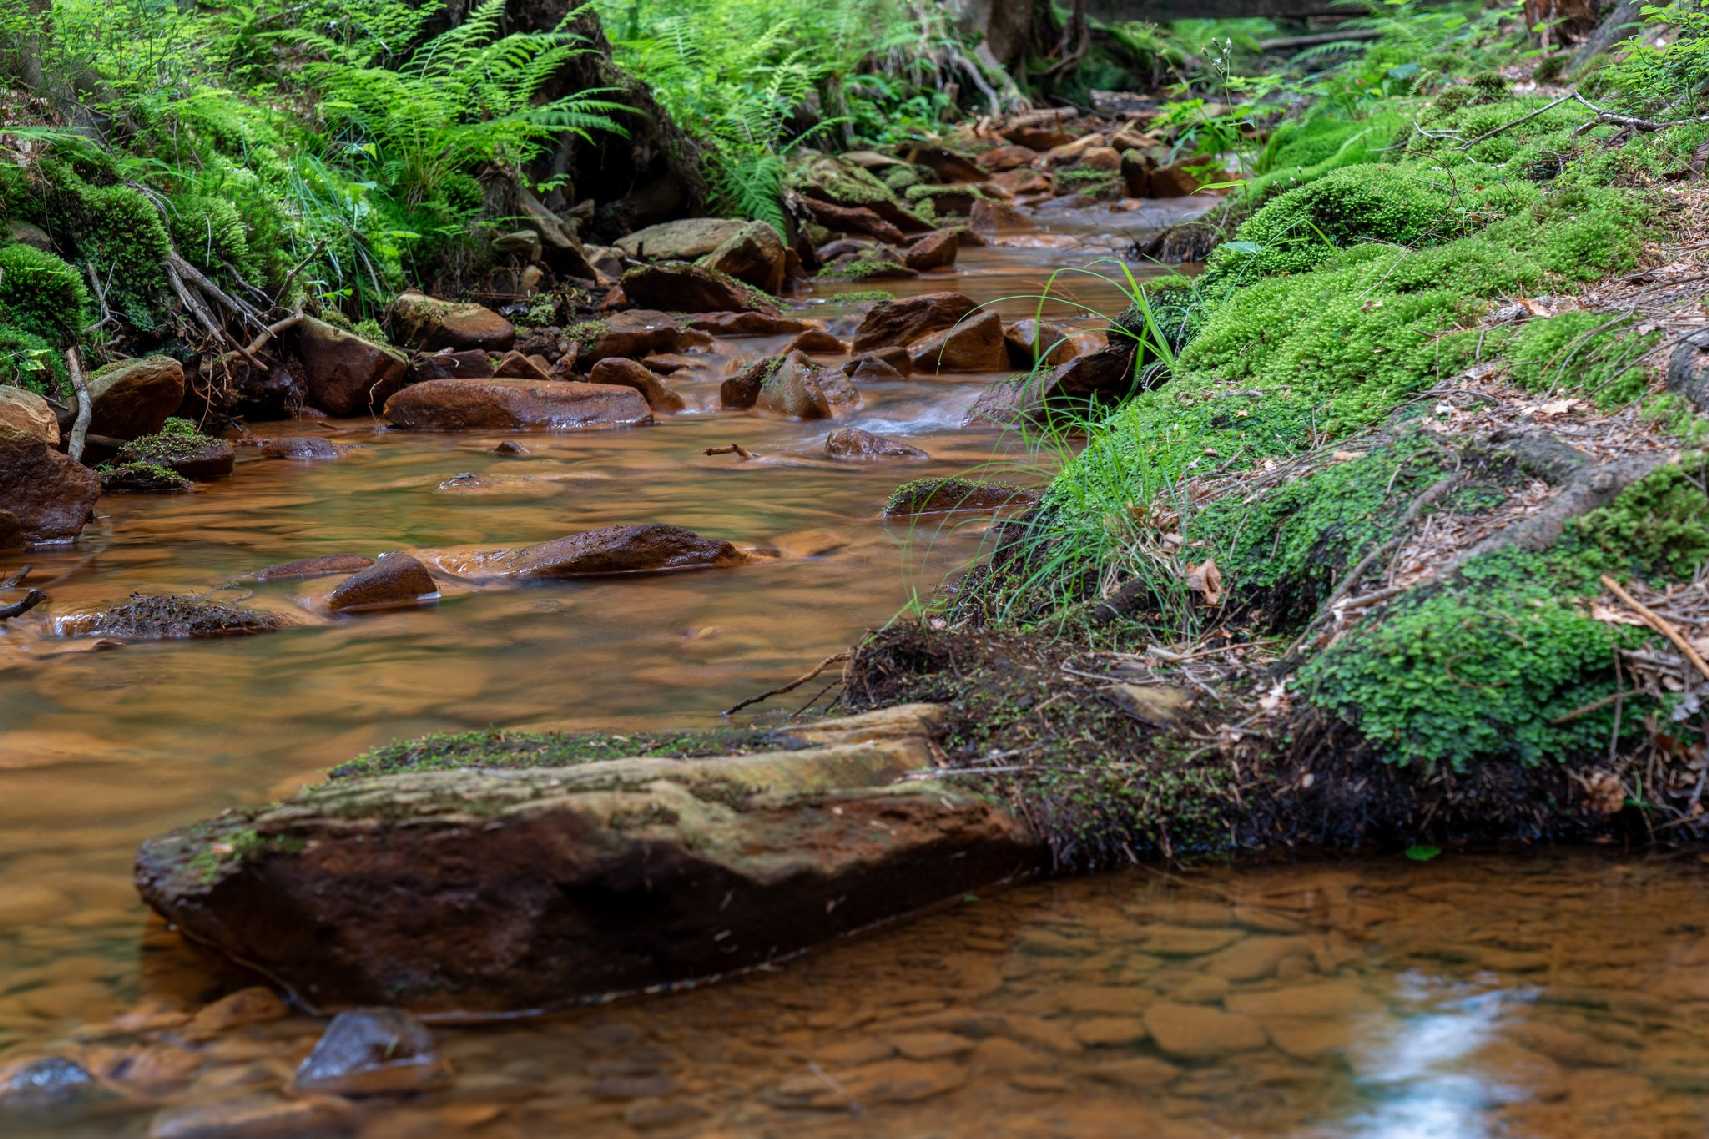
(446, 364)
(1034, 341)
(1101, 158)
(638, 333)
(129, 398)
(974, 345)
(945, 164)
(854, 219)
(421, 321)
(1010, 157)
(818, 340)
(682, 240)
(933, 251)
(323, 566)
(484, 890)
(48, 494)
(508, 405)
(853, 444)
(395, 581)
(899, 323)
(344, 374)
(678, 287)
(651, 548)
(629, 374)
(515, 366)
(26, 418)
(755, 255)
(998, 217)
(1038, 136)
(879, 367)
(747, 324)
(791, 385)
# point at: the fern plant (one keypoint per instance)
(463, 101)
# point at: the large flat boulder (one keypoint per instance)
(510, 405)
(48, 495)
(678, 287)
(638, 333)
(134, 397)
(344, 374)
(492, 888)
(683, 240)
(652, 548)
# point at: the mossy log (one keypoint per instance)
(487, 890)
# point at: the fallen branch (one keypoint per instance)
(790, 687)
(22, 575)
(1660, 624)
(85, 409)
(275, 329)
(1632, 122)
(732, 449)
(31, 599)
(1543, 110)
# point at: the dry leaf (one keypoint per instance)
(1610, 615)
(1347, 456)
(1275, 700)
(1205, 578)
(1557, 407)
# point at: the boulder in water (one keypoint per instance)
(478, 884)
(618, 372)
(48, 494)
(974, 345)
(933, 251)
(898, 323)
(180, 448)
(344, 374)
(791, 385)
(754, 255)
(167, 617)
(854, 444)
(945, 495)
(639, 333)
(129, 398)
(652, 548)
(507, 405)
(323, 566)
(469, 364)
(396, 581)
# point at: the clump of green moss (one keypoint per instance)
(942, 495)
(1589, 353)
(877, 265)
(1503, 661)
(40, 295)
(178, 616)
(499, 748)
(177, 441)
(140, 476)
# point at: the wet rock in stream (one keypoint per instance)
(163, 617)
(49, 494)
(976, 344)
(491, 890)
(791, 385)
(420, 321)
(676, 287)
(898, 323)
(463, 405)
(637, 333)
(323, 566)
(619, 372)
(373, 1051)
(302, 448)
(943, 495)
(49, 1084)
(344, 374)
(851, 443)
(396, 581)
(652, 548)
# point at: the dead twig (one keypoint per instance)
(790, 687)
(733, 449)
(1543, 110)
(18, 578)
(85, 409)
(30, 600)
(1660, 624)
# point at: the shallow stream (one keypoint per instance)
(1469, 997)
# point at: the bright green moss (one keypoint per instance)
(1588, 353)
(1500, 661)
(1286, 551)
(119, 235)
(40, 295)
(28, 361)
(1484, 670)
(1302, 151)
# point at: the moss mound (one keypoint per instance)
(498, 748)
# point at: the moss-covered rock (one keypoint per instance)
(181, 450)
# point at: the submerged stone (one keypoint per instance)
(160, 617)
(396, 581)
(373, 1051)
(47, 1084)
(463, 405)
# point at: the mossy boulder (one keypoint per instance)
(156, 617)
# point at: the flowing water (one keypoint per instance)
(1460, 999)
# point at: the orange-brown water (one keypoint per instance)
(1472, 997)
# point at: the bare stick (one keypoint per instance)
(1660, 624)
(31, 599)
(1603, 115)
(732, 449)
(277, 328)
(1543, 110)
(791, 686)
(85, 409)
(18, 578)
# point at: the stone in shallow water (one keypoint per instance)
(257, 1117)
(47, 1084)
(322, 566)
(373, 1052)
(395, 581)
(254, 1005)
(1195, 1032)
